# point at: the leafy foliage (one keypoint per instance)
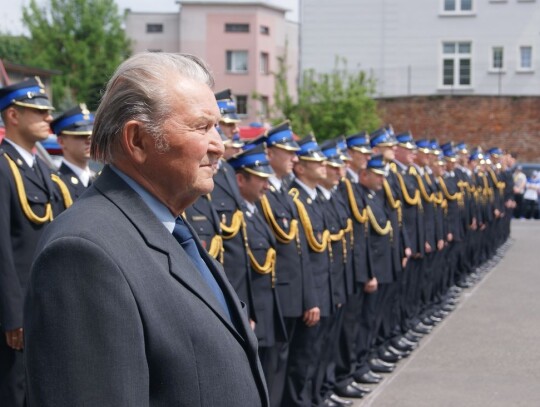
(83, 39)
(329, 104)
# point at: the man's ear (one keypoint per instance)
(240, 179)
(135, 141)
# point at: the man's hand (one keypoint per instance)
(252, 324)
(312, 316)
(497, 213)
(427, 247)
(371, 286)
(408, 252)
(449, 237)
(404, 262)
(15, 339)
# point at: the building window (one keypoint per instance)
(264, 107)
(497, 58)
(458, 6)
(456, 64)
(236, 28)
(525, 58)
(241, 104)
(237, 61)
(154, 28)
(265, 30)
(264, 63)
(154, 50)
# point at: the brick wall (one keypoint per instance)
(512, 123)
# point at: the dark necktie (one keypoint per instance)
(182, 233)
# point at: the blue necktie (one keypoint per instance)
(182, 233)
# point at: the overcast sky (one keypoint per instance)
(11, 10)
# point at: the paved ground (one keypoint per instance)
(487, 352)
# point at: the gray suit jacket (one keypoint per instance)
(117, 315)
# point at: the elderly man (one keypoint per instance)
(125, 307)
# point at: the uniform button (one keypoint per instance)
(35, 197)
(201, 229)
(222, 204)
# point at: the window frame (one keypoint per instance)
(264, 68)
(241, 104)
(458, 10)
(265, 106)
(161, 31)
(455, 57)
(229, 25)
(264, 30)
(229, 69)
(520, 67)
(492, 67)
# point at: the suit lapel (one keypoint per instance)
(158, 238)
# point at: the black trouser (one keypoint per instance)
(304, 354)
(346, 358)
(366, 333)
(12, 380)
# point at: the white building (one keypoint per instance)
(428, 47)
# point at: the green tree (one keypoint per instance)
(329, 104)
(83, 39)
(15, 48)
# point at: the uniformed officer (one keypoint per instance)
(309, 171)
(229, 118)
(294, 283)
(31, 195)
(252, 173)
(74, 132)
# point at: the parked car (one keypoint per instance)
(528, 168)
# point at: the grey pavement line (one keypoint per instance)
(371, 397)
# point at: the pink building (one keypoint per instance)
(240, 40)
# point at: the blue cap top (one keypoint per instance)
(75, 121)
(310, 150)
(29, 93)
(434, 146)
(406, 140)
(424, 145)
(381, 138)
(449, 145)
(341, 144)
(359, 142)
(461, 147)
(282, 136)
(333, 155)
(253, 160)
(449, 154)
(495, 151)
(227, 107)
(476, 154)
(261, 140)
(376, 164)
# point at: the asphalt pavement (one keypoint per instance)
(486, 353)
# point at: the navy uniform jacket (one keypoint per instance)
(227, 200)
(380, 246)
(336, 216)
(356, 206)
(19, 235)
(294, 279)
(449, 186)
(413, 216)
(319, 262)
(205, 221)
(465, 184)
(73, 182)
(429, 207)
(401, 238)
(270, 327)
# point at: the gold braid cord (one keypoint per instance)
(499, 184)
(216, 248)
(236, 223)
(425, 196)
(314, 244)
(383, 231)
(458, 196)
(360, 217)
(269, 265)
(281, 235)
(66, 196)
(395, 205)
(412, 201)
(23, 199)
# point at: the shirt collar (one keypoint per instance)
(326, 193)
(27, 156)
(161, 211)
(312, 192)
(353, 175)
(276, 182)
(82, 173)
(250, 206)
